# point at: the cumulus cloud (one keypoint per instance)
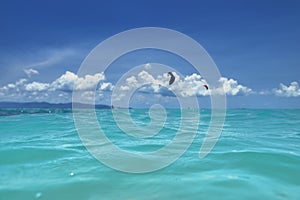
(17, 85)
(192, 85)
(36, 87)
(231, 87)
(89, 82)
(143, 82)
(65, 82)
(292, 90)
(61, 86)
(30, 72)
(70, 81)
(106, 86)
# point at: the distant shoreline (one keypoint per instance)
(50, 105)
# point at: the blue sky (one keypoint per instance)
(255, 43)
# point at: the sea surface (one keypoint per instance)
(256, 157)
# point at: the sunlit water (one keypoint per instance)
(256, 157)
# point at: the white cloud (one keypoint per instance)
(21, 81)
(231, 87)
(36, 86)
(192, 85)
(89, 82)
(65, 82)
(30, 72)
(31, 62)
(148, 66)
(106, 86)
(13, 86)
(58, 89)
(70, 81)
(292, 90)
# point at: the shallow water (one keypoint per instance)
(256, 157)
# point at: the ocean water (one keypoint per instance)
(256, 157)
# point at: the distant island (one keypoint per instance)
(50, 105)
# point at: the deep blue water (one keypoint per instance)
(256, 157)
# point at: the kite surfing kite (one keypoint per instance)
(172, 79)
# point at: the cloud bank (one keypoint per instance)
(192, 85)
(60, 89)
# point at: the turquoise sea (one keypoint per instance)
(256, 157)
